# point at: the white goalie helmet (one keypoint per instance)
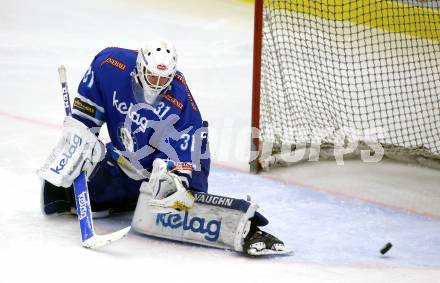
(155, 70)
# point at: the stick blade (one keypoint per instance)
(270, 253)
(97, 241)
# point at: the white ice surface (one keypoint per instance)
(335, 238)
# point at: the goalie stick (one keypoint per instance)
(89, 238)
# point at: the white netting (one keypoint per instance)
(338, 81)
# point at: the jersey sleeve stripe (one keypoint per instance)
(85, 116)
(88, 111)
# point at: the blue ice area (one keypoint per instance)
(324, 228)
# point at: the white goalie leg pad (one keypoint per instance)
(215, 221)
(77, 150)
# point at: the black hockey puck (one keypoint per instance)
(386, 248)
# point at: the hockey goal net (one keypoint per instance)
(336, 77)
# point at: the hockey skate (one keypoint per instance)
(260, 243)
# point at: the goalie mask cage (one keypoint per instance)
(346, 75)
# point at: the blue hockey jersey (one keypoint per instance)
(172, 128)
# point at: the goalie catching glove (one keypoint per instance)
(78, 150)
(168, 185)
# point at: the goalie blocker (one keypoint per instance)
(214, 221)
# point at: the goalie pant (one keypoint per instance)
(214, 221)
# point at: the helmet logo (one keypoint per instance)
(161, 67)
